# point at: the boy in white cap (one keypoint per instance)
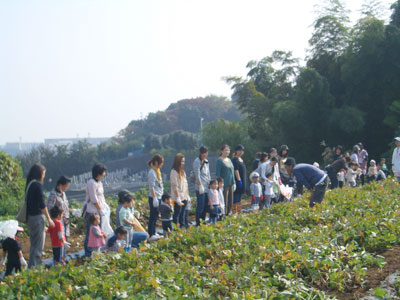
(372, 171)
(396, 159)
(256, 191)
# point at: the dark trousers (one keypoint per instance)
(332, 177)
(154, 212)
(180, 214)
(57, 255)
(201, 207)
(319, 193)
(11, 266)
(167, 226)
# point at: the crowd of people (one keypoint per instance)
(274, 177)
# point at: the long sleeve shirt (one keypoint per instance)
(179, 186)
(59, 199)
(396, 160)
(308, 175)
(202, 174)
(269, 187)
(256, 189)
(94, 194)
(155, 184)
(225, 170)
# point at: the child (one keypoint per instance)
(341, 178)
(256, 191)
(383, 165)
(126, 219)
(57, 235)
(114, 242)
(221, 198)
(269, 194)
(351, 174)
(12, 250)
(166, 213)
(213, 201)
(381, 175)
(121, 196)
(372, 171)
(96, 235)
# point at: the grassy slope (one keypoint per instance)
(290, 252)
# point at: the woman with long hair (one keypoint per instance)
(240, 178)
(156, 190)
(179, 190)
(202, 175)
(225, 169)
(36, 211)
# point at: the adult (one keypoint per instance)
(262, 167)
(363, 162)
(338, 152)
(36, 212)
(179, 191)
(273, 153)
(396, 159)
(136, 236)
(225, 170)
(240, 178)
(202, 175)
(309, 176)
(156, 190)
(283, 155)
(336, 167)
(354, 154)
(57, 197)
(95, 200)
(256, 161)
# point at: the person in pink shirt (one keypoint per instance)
(96, 236)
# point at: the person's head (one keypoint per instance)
(356, 149)
(124, 195)
(166, 198)
(36, 172)
(127, 201)
(258, 155)
(316, 164)
(269, 175)
(99, 171)
(353, 166)
(264, 157)
(255, 177)
(121, 233)
(273, 161)
(383, 161)
(289, 165)
(379, 167)
(372, 163)
(360, 145)
(225, 151)
(397, 141)
(94, 219)
(284, 151)
(63, 183)
(220, 181)
(338, 150)
(203, 152)
(156, 162)
(273, 152)
(179, 164)
(239, 151)
(56, 212)
(213, 184)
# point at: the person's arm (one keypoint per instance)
(393, 158)
(174, 183)
(96, 232)
(152, 183)
(218, 167)
(263, 172)
(51, 201)
(49, 220)
(196, 170)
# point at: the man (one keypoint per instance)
(396, 159)
(309, 176)
(334, 168)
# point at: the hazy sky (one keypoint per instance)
(71, 68)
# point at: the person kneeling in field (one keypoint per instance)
(115, 242)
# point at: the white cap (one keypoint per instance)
(397, 139)
(373, 161)
(255, 175)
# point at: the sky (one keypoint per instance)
(87, 68)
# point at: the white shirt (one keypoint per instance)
(268, 187)
(396, 161)
(94, 194)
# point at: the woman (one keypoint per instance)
(58, 198)
(202, 180)
(36, 212)
(354, 154)
(179, 190)
(262, 168)
(95, 200)
(240, 178)
(156, 190)
(363, 162)
(225, 169)
(283, 155)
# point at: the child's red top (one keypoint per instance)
(55, 240)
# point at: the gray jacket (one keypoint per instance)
(202, 174)
(153, 183)
(256, 189)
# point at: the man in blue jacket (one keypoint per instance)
(309, 176)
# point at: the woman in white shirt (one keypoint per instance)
(179, 190)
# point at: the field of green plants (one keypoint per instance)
(289, 252)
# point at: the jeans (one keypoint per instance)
(267, 201)
(37, 238)
(214, 214)
(137, 238)
(237, 197)
(167, 226)
(180, 215)
(201, 207)
(88, 251)
(57, 255)
(332, 177)
(154, 212)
